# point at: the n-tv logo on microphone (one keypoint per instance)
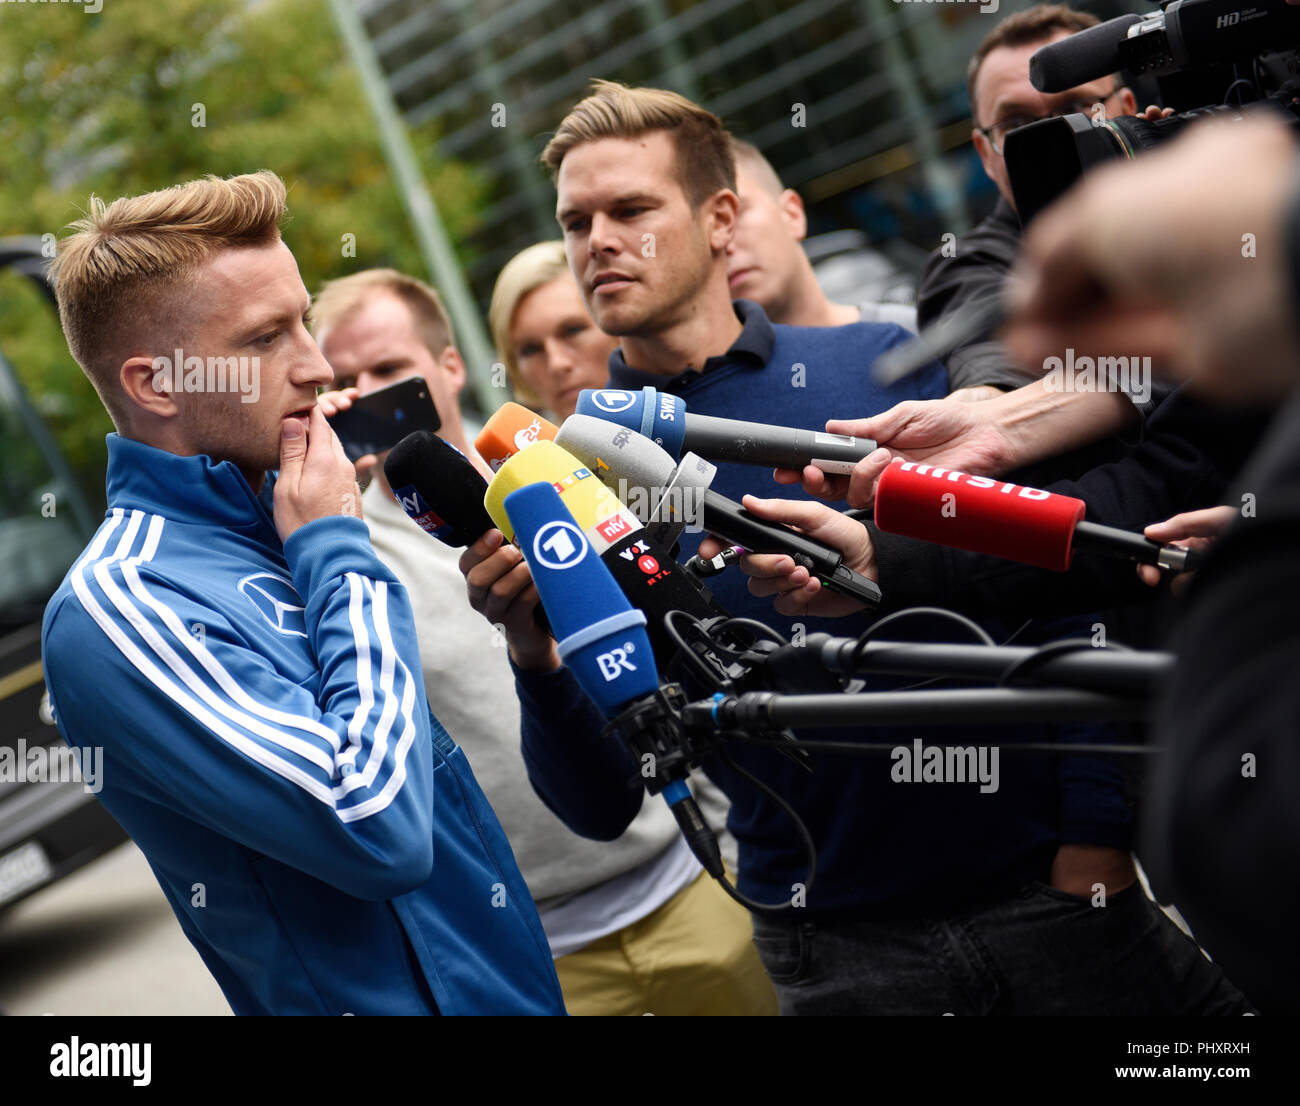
(559, 545)
(613, 402)
(613, 528)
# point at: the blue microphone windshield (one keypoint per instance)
(602, 638)
(660, 416)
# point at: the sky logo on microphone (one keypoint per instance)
(420, 512)
(559, 545)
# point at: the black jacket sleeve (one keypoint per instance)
(1223, 829)
(971, 269)
(587, 780)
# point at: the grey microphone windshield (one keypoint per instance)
(667, 497)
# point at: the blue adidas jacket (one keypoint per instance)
(268, 745)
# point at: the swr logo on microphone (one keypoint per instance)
(615, 661)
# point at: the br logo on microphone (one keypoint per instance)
(613, 402)
(559, 545)
(615, 662)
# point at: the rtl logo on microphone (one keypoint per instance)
(568, 481)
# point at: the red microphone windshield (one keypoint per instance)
(978, 514)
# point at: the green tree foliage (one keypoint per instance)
(110, 104)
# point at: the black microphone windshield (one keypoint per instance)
(1086, 56)
(439, 488)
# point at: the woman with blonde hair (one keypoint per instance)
(543, 332)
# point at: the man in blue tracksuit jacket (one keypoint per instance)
(250, 666)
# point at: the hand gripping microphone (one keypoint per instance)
(1028, 525)
(603, 642)
(637, 464)
(442, 493)
(439, 488)
(663, 419)
(645, 571)
(511, 428)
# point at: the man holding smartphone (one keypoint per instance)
(247, 663)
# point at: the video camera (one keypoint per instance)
(1222, 54)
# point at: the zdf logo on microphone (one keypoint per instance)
(613, 402)
(559, 545)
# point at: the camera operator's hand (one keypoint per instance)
(500, 587)
(1179, 255)
(1194, 529)
(797, 592)
(316, 478)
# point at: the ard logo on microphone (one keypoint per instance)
(559, 545)
(614, 402)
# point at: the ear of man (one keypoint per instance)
(721, 212)
(791, 205)
(453, 364)
(149, 388)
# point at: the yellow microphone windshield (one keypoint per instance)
(596, 509)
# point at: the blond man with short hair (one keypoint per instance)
(247, 664)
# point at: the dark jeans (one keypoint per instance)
(1039, 951)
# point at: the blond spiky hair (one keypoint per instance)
(704, 160)
(120, 276)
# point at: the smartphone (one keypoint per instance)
(380, 419)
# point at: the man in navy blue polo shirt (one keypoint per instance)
(941, 897)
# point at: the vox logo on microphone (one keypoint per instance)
(649, 565)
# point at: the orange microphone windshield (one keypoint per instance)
(511, 428)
